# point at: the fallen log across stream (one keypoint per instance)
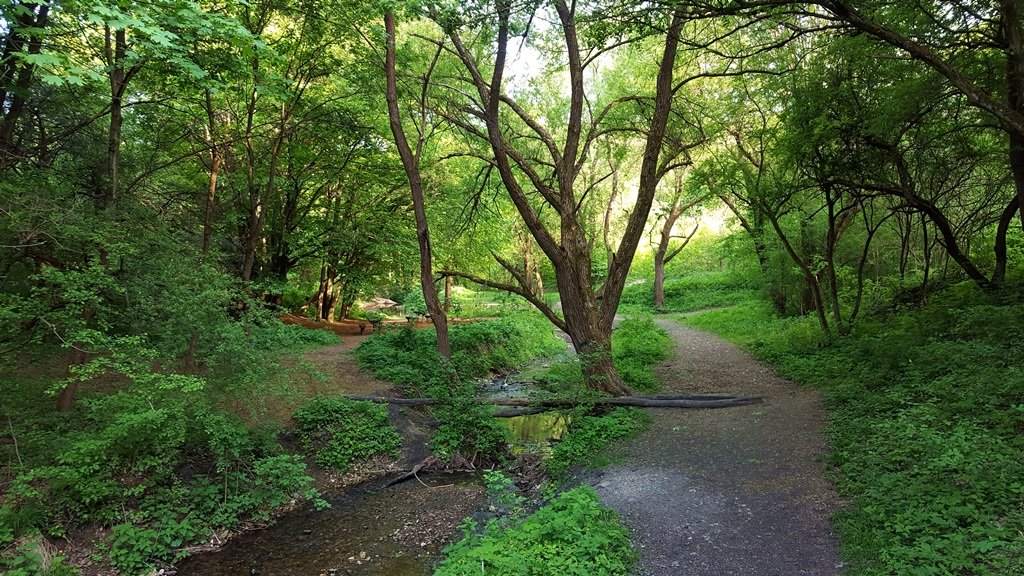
(531, 405)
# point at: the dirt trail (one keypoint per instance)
(736, 491)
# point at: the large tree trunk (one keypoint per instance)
(1013, 38)
(587, 329)
(587, 320)
(410, 161)
(699, 401)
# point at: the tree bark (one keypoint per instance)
(587, 320)
(216, 157)
(662, 256)
(810, 278)
(16, 76)
(999, 275)
(116, 48)
(410, 162)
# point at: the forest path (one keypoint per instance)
(735, 491)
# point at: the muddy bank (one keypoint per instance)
(397, 531)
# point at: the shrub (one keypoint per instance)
(158, 462)
(573, 534)
(341, 432)
(408, 358)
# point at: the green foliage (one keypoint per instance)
(589, 434)
(467, 428)
(409, 359)
(638, 345)
(572, 535)
(505, 497)
(29, 559)
(925, 419)
(159, 460)
(694, 292)
(341, 432)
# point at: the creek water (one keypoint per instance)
(369, 533)
(394, 531)
(537, 432)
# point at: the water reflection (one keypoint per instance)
(537, 432)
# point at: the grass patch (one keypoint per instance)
(589, 435)
(573, 534)
(638, 344)
(926, 420)
(693, 292)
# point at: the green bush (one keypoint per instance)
(572, 535)
(158, 461)
(28, 559)
(408, 358)
(467, 428)
(339, 432)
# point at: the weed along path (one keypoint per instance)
(720, 492)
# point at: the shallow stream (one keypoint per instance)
(394, 531)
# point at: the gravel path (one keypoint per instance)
(730, 491)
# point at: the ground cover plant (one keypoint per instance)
(694, 291)
(340, 432)
(573, 534)
(926, 410)
(589, 434)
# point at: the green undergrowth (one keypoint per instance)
(590, 434)
(408, 358)
(340, 432)
(638, 344)
(926, 412)
(693, 292)
(155, 456)
(571, 535)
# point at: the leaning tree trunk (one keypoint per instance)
(410, 162)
